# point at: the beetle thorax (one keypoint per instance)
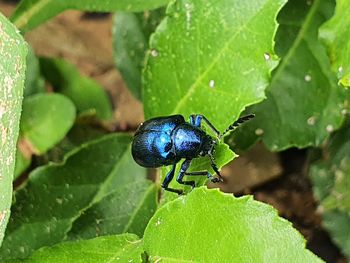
(191, 142)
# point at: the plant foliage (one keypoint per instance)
(13, 51)
(86, 200)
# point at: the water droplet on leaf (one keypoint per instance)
(259, 132)
(330, 128)
(212, 83)
(158, 222)
(311, 121)
(267, 56)
(154, 53)
(307, 78)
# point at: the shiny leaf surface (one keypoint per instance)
(209, 226)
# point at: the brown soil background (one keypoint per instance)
(277, 179)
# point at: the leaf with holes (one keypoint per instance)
(304, 104)
(336, 33)
(215, 66)
(31, 13)
(210, 226)
(108, 249)
(13, 51)
(58, 194)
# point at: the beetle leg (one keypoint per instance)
(167, 180)
(182, 173)
(215, 168)
(196, 120)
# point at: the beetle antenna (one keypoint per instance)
(237, 123)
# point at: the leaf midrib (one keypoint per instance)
(214, 61)
(95, 200)
(138, 207)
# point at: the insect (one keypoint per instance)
(166, 140)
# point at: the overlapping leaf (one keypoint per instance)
(336, 33)
(86, 93)
(131, 33)
(210, 57)
(23, 161)
(34, 82)
(108, 249)
(31, 13)
(45, 120)
(13, 51)
(57, 194)
(209, 226)
(79, 134)
(304, 103)
(331, 181)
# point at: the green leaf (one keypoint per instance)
(331, 181)
(31, 13)
(34, 83)
(22, 163)
(214, 66)
(210, 226)
(86, 93)
(121, 248)
(13, 51)
(335, 33)
(130, 43)
(79, 134)
(58, 194)
(128, 208)
(304, 104)
(45, 120)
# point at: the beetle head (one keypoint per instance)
(208, 146)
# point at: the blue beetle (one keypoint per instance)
(166, 140)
